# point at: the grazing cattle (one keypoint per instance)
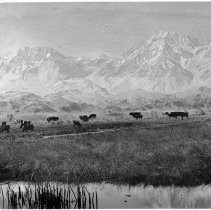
(24, 123)
(177, 114)
(52, 119)
(136, 115)
(4, 127)
(171, 114)
(92, 116)
(85, 118)
(28, 126)
(76, 123)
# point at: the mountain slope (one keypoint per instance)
(37, 69)
(165, 62)
(167, 70)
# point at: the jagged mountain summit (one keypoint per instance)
(38, 69)
(165, 62)
(159, 72)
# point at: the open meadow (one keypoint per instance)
(159, 152)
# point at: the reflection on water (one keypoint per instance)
(113, 196)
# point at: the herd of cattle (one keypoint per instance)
(27, 126)
(76, 123)
(138, 115)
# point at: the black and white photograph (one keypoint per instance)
(105, 105)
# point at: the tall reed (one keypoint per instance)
(49, 196)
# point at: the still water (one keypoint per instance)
(114, 196)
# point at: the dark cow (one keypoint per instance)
(24, 123)
(52, 119)
(136, 115)
(92, 116)
(183, 114)
(27, 126)
(4, 127)
(76, 123)
(85, 118)
(177, 114)
(171, 114)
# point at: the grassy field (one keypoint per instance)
(158, 152)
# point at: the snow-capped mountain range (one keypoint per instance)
(166, 70)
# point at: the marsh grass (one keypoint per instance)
(158, 153)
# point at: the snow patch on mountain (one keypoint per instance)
(166, 70)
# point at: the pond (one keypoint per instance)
(104, 195)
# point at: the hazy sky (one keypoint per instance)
(94, 28)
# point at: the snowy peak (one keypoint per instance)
(164, 64)
(163, 43)
(37, 69)
(38, 53)
(173, 39)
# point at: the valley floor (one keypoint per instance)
(158, 152)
